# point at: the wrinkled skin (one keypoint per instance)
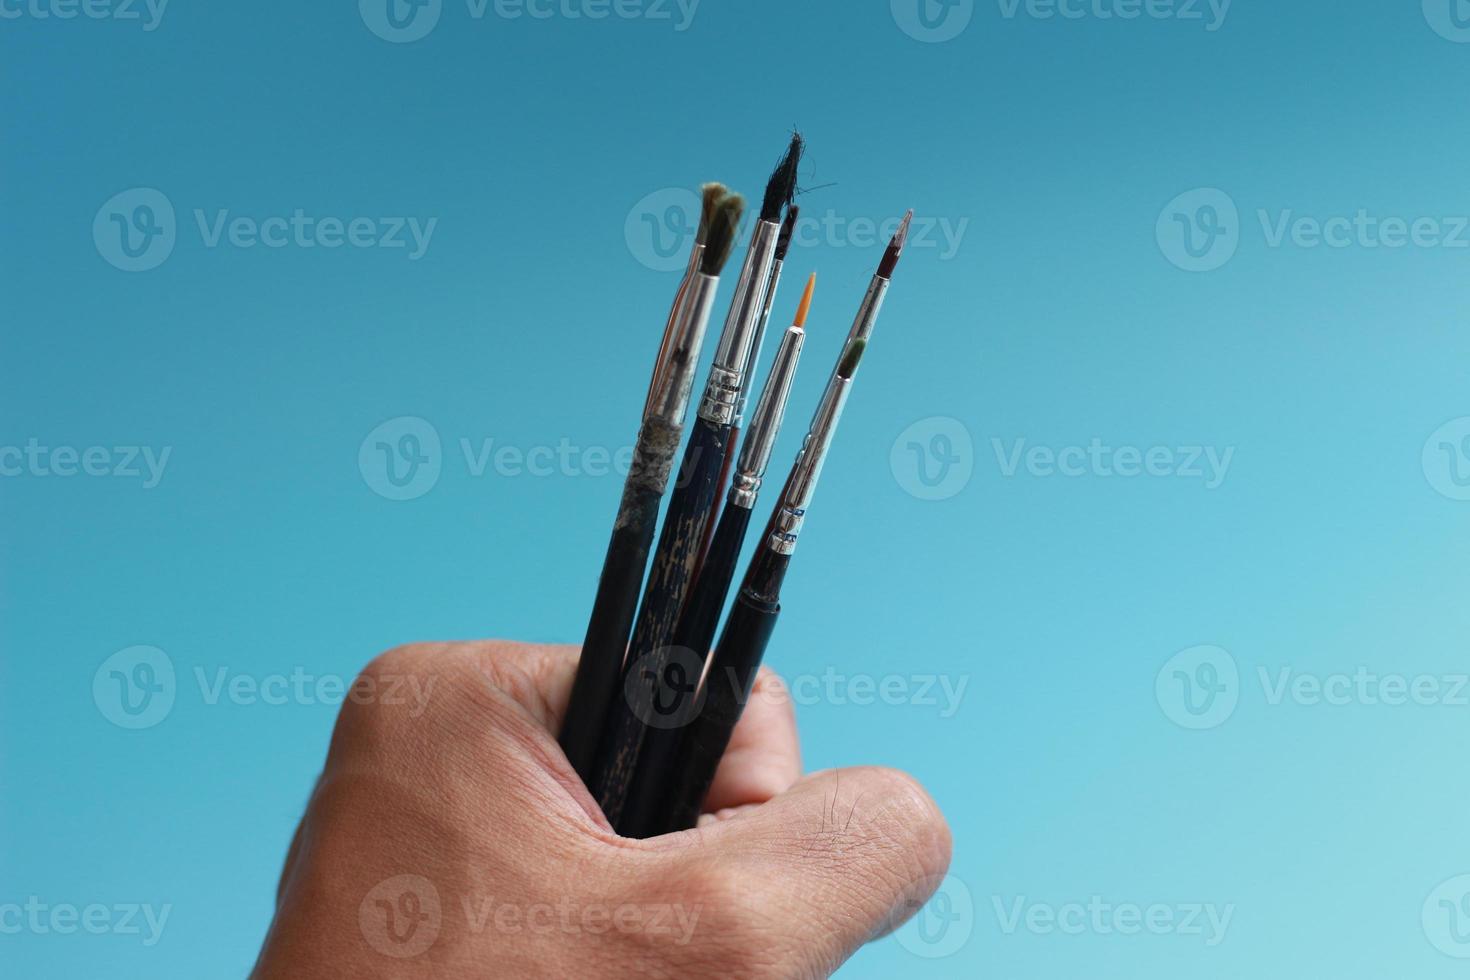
(448, 837)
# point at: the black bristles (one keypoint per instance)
(721, 238)
(781, 189)
(895, 247)
(788, 227)
(712, 195)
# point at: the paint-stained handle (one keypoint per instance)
(634, 706)
(647, 809)
(596, 685)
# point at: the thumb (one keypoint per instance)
(842, 857)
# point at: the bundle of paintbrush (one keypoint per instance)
(649, 719)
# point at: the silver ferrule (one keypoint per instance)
(728, 373)
(661, 363)
(768, 300)
(669, 401)
(765, 424)
(797, 496)
(867, 315)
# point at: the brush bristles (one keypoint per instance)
(781, 189)
(847, 367)
(721, 239)
(712, 195)
(805, 306)
(901, 237)
(788, 228)
(895, 247)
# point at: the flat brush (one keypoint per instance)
(596, 684)
(710, 197)
(753, 615)
(691, 505)
(646, 810)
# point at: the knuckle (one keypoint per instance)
(876, 823)
(398, 661)
(902, 815)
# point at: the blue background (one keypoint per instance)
(530, 319)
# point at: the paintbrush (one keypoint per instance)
(646, 810)
(595, 686)
(752, 620)
(712, 713)
(691, 506)
(783, 244)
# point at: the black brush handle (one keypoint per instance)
(597, 685)
(634, 706)
(737, 659)
(646, 811)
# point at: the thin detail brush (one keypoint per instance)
(596, 684)
(753, 615)
(647, 809)
(692, 504)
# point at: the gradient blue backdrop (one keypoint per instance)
(1056, 144)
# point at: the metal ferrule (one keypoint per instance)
(765, 424)
(768, 300)
(669, 401)
(808, 469)
(867, 315)
(741, 325)
(661, 364)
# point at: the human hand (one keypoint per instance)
(448, 837)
